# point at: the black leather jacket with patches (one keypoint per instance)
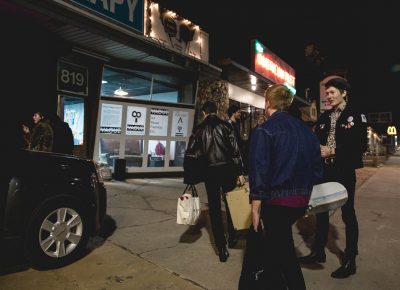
(350, 135)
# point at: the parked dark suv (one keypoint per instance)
(50, 204)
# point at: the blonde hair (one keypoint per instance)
(279, 97)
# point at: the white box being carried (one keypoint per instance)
(327, 196)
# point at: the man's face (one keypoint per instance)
(261, 119)
(334, 96)
(237, 115)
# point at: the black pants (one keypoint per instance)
(347, 177)
(281, 269)
(219, 180)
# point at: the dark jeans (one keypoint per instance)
(218, 181)
(281, 269)
(348, 179)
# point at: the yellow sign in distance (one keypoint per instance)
(391, 130)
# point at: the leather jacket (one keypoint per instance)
(219, 143)
(351, 136)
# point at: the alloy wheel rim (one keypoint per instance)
(60, 232)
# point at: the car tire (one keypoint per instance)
(57, 234)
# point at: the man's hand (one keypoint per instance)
(255, 213)
(240, 180)
(325, 152)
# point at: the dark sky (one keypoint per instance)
(360, 38)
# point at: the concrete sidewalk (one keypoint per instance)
(148, 250)
(147, 228)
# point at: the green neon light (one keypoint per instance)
(259, 47)
(291, 89)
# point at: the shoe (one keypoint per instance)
(223, 254)
(314, 257)
(232, 242)
(344, 271)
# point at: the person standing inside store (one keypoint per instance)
(342, 132)
(285, 164)
(224, 171)
(40, 137)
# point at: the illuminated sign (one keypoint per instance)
(267, 64)
(391, 130)
(170, 30)
(129, 13)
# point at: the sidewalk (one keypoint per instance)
(148, 250)
(187, 251)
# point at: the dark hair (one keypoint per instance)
(340, 83)
(209, 107)
(232, 109)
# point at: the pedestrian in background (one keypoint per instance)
(63, 138)
(285, 164)
(342, 133)
(40, 137)
(234, 119)
(224, 170)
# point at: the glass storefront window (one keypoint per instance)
(176, 153)
(146, 86)
(74, 115)
(156, 153)
(134, 153)
(108, 150)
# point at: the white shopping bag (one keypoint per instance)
(188, 207)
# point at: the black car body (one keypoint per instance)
(50, 205)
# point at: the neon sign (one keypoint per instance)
(270, 66)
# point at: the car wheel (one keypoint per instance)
(58, 234)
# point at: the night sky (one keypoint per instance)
(361, 39)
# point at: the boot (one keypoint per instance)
(348, 268)
(232, 241)
(223, 254)
(316, 256)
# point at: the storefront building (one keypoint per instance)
(123, 74)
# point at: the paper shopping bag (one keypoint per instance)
(239, 206)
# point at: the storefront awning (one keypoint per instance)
(111, 44)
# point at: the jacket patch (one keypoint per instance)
(363, 118)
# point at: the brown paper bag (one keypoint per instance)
(239, 206)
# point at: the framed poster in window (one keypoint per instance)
(158, 121)
(111, 118)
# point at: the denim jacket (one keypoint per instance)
(285, 158)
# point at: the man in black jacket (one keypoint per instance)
(224, 171)
(342, 132)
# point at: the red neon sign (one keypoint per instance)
(272, 67)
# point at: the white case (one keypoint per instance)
(327, 196)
